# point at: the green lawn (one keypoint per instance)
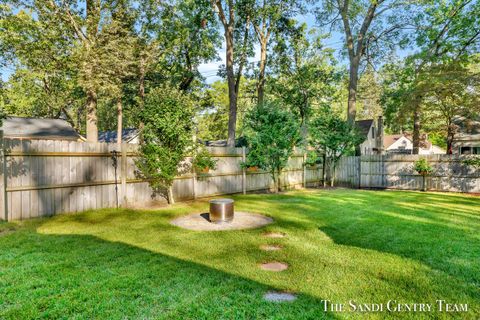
(341, 245)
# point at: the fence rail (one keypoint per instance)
(46, 177)
(395, 171)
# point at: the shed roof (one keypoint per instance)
(364, 126)
(38, 128)
(111, 136)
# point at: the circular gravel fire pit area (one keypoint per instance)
(201, 222)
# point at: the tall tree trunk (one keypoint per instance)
(451, 131)
(416, 129)
(324, 170)
(141, 94)
(92, 129)
(119, 121)
(232, 95)
(352, 91)
(92, 20)
(332, 179)
(141, 82)
(261, 75)
(170, 198)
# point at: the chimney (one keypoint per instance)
(380, 135)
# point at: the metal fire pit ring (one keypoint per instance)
(221, 210)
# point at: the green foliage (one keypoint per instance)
(203, 161)
(2, 115)
(312, 158)
(423, 167)
(212, 110)
(167, 135)
(333, 136)
(473, 162)
(307, 75)
(272, 132)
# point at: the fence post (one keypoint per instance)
(359, 170)
(194, 183)
(3, 181)
(304, 170)
(244, 174)
(123, 174)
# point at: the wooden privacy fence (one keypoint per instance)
(46, 177)
(396, 172)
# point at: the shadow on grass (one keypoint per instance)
(436, 229)
(64, 276)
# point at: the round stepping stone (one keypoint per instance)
(274, 235)
(275, 296)
(270, 247)
(274, 266)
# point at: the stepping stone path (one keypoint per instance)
(274, 235)
(275, 296)
(274, 266)
(270, 247)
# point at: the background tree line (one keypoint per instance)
(94, 62)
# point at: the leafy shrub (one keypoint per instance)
(272, 132)
(203, 160)
(423, 167)
(333, 137)
(312, 159)
(473, 162)
(167, 117)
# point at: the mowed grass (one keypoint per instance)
(341, 245)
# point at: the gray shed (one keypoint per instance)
(37, 128)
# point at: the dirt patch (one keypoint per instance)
(271, 247)
(274, 266)
(274, 235)
(276, 296)
(241, 220)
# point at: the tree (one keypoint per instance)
(167, 137)
(365, 24)
(333, 137)
(231, 13)
(213, 106)
(369, 93)
(272, 132)
(267, 19)
(306, 75)
(44, 80)
(83, 41)
(453, 91)
(448, 31)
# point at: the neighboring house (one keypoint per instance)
(402, 144)
(467, 138)
(239, 142)
(37, 128)
(372, 131)
(130, 135)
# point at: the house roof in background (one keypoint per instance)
(38, 128)
(388, 140)
(364, 126)
(111, 136)
(468, 129)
